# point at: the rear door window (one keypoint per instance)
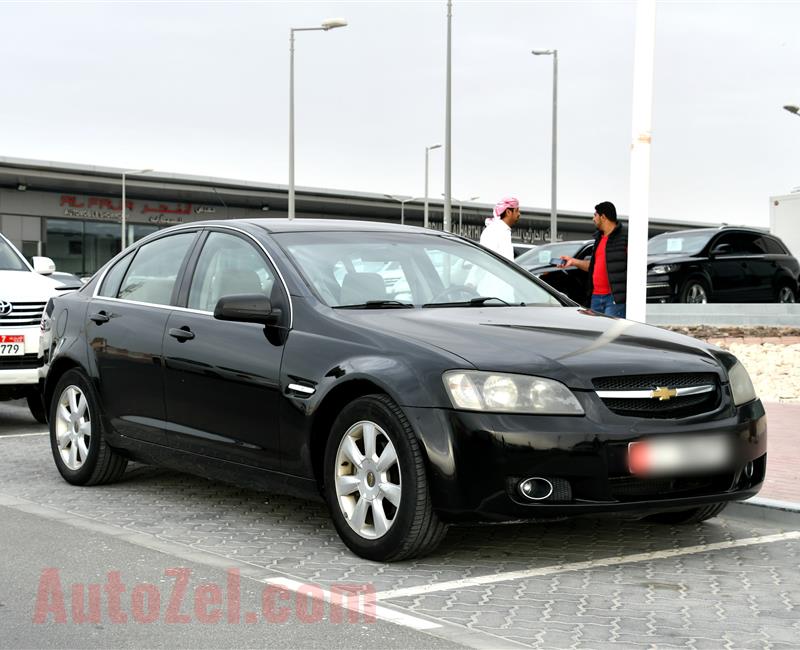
(113, 278)
(152, 274)
(770, 245)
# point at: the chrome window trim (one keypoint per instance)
(198, 311)
(647, 394)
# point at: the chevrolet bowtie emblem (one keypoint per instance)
(663, 393)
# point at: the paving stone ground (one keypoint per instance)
(739, 597)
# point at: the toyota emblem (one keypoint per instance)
(5, 308)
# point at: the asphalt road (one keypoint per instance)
(85, 557)
(15, 418)
(585, 583)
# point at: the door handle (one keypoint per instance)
(100, 317)
(181, 333)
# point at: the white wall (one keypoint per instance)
(784, 220)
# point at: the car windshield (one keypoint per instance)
(679, 243)
(543, 254)
(395, 270)
(9, 260)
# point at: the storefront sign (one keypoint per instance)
(107, 209)
(85, 213)
(527, 235)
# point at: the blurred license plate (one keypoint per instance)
(679, 455)
(12, 345)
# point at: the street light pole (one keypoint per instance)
(123, 233)
(402, 201)
(332, 23)
(446, 218)
(553, 159)
(460, 222)
(425, 212)
(461, 212)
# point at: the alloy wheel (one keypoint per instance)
(367, 478)
(785, 294)
(696, 294)
(73, 427)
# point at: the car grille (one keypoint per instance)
(681, 406)
(633, 488)
(20, 362)
(23, 314)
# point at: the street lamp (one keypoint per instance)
(427, 152)
(332, 23)
(461, 212)
(553, 225)
(402, 200)
(446, 213)
(792, 109)
(127, 172)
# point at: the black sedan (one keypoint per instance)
(274, 354)
(720, 265)
(545, 263)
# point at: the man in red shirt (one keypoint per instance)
(608, 267)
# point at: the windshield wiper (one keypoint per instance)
(378, 304)
(473, 302)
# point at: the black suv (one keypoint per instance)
(720, 265)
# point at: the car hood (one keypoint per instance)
(570, 344)
(26, 286)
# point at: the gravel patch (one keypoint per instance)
(771, 356)
(773, 367)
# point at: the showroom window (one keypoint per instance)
(82, 247)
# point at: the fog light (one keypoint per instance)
(536, 488)
(749, 469)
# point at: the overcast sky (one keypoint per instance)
(202, 88)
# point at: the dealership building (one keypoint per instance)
(73, 213)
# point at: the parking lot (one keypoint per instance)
(582, 583)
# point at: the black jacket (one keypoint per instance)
(616, 262)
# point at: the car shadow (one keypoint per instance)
(224, 512)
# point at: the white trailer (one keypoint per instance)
(784, 220)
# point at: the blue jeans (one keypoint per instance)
(604, 304)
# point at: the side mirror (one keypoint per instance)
(247, 308)
(44, 265)
(720, 249)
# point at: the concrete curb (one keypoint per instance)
(769, 510)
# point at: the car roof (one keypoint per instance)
(711, 231)
(281, 225)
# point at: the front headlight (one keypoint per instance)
(665, 268)
(474, 390)
(741, 386)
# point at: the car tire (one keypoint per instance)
(74, 418)
(785, 294)
(36, 406)
(695, 292)
(692, 516)
(378, 496)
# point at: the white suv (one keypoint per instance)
(24, 292)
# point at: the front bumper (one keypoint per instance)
(20, 370)
(661, 288)
(476, 461)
